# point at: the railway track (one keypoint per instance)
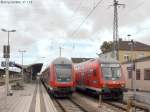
(123, 106)
(78, 104)
(68, 105)
(118, 106)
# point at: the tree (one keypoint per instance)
(106, 46)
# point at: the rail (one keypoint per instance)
(67, 105)
(125, 107)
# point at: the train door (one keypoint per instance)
(82, 78)
(95, 78)
(87, 75)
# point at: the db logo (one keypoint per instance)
(114, 82)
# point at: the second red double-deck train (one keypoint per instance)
(58, 77)
(101, 76)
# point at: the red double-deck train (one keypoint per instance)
(101, 76)
(59, 77)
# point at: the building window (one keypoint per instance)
(138, 74)
(129, 74)
(126, 58)
(141, 55)
(147, 74)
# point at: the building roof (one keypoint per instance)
(36, 68)
(2, 70)
(138, 46)
(79, 60)
(126, 46)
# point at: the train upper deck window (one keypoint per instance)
(111, 72)
(94, 72)
(63, 72)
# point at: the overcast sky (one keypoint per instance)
(44, 25)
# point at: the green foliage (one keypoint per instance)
(106, 46)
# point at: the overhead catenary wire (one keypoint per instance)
(134, 8)
(76, 10)
(75, 31)
(138, 5)
(141, 30)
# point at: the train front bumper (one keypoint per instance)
(64, 90)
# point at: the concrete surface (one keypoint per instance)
(33, 98)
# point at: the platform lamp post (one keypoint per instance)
(7, 56)
(22, 52)
(133, 71)
(133, 80)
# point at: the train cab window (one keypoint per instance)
(63, 72)
(111, 71)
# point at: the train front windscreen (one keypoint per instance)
(64, 72)
(111, 71)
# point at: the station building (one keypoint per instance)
(125, 52)
(12, 73)
(142, 74)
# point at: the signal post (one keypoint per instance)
(6, 52)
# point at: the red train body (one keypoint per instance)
(59, 77)
(101, 76)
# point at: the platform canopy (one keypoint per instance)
(36, 68)
(32, 69)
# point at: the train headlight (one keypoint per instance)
(51, 88)
(122, 85)
(104, 85)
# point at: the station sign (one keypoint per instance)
(6, 51)
(11, 64)
(131, 67)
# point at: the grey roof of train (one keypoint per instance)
(107, 60)
(62, 60)
(103, 60)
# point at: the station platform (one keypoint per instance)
(33, 98)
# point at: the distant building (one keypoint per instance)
(125, 53)
(142, 73)
(12, 73)
(79, 60)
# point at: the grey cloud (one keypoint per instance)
(58, 19)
